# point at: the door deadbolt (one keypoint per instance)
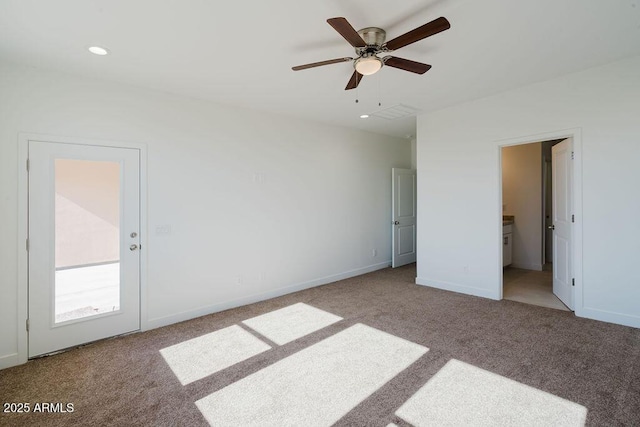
(134, 234)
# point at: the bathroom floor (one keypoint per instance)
(531, 287)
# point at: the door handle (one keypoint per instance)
(133, 247)
(551, 227)
(396, 222)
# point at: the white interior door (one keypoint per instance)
(403, 235)
(561, 221)
(84, 262)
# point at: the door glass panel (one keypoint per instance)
(87, 238)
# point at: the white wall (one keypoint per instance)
(522, 196)
(459, 185)
(258, 204)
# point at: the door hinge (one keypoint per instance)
(27, 325)
(572, 155)
(28, 165)
(573, 218)
(573, 282)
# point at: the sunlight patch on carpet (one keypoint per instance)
(462, 394)
(202, 356)
(315, 386)
(290, 323)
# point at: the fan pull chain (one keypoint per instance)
(357, 88)
(379, 97)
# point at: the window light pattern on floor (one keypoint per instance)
(205, 355)
(315, 386)
(290, 323)
(322, 383)
(462, 394)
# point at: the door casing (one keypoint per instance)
(23, 227)
(576, 238)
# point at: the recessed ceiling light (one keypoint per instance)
(98, 50)
(364, 116)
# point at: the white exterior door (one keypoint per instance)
(561, 216)
(403, 234)
(84, 258)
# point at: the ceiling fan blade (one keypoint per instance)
(406, 64)
(321, 63)
(429, 29)
(342, 26)
(354, 81)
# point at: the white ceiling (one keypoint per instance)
(241, 52)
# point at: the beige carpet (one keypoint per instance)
(126, 381)
(316, 386)
(290, 323)
(200, 357)
(463, 395)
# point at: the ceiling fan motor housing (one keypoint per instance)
(374, 37)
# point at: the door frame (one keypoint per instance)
(576, 196)
(23, 226)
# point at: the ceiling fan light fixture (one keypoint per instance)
(368, 65)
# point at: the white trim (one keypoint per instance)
(80, 141)
(23, 224)
(457, 287)
(610, 316)
(23, 266)
(144, 238)
(499, 232)
(576, 236)
(9, 360)
(203, 311)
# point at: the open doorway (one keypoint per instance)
(529, 241)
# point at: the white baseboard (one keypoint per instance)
(203, 311)
(9, 360)
(608, 316)
(525, 266)
(456, 287)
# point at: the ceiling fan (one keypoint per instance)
(370, 41)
